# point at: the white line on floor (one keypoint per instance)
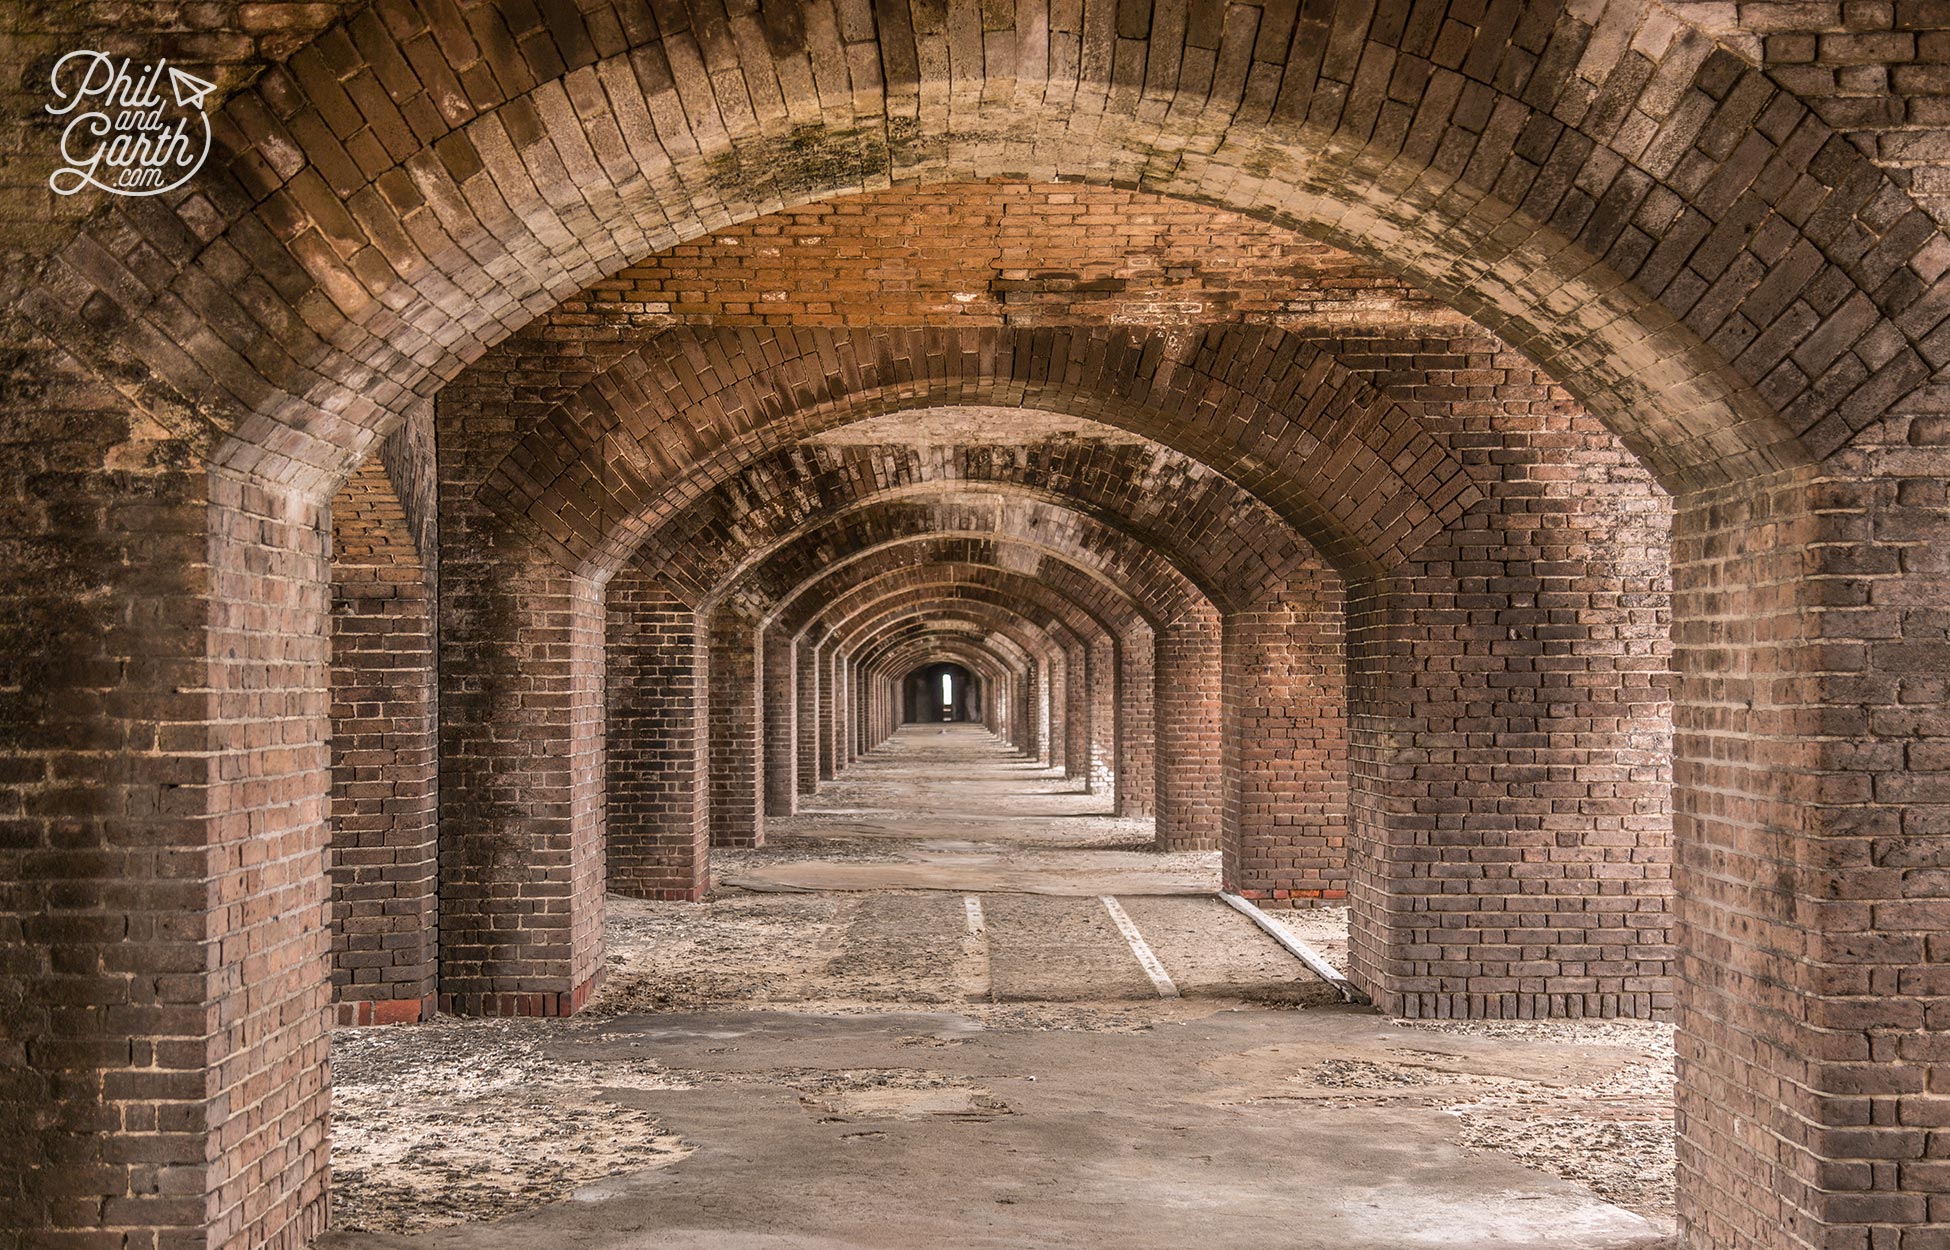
(973, 906)
(1295, 947)
(1140, 948)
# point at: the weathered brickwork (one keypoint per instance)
(1283, 744)
(1136, 768)
(779, 707)
(737, 731)
(1510, 728)
(657, 822)
(1191, 780)
(384, 850)
(261, 1013)
(806, 708)
(1434, 298)
(1001, 253)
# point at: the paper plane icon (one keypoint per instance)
(189, 89)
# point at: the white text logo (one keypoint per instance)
(132, 129)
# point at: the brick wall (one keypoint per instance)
(1001, 253)
(1283, 743)
(1191, 778)
(737, 761)
(1510, 724)
(657, 810)
(257, 1010)
(384, 848)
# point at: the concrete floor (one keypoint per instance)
(867, 1065)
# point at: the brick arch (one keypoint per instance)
(1512, 191)
(885, 718)
(1164, 501)
(1097, 610)
(1132, 756)
(1023, 622)
(906, 557)
(890, 535)
(1793, 303)
(1053, 718)
(871, 722)
(971, 656)
(1356, 474)
(1009, 689)
(1106, 721)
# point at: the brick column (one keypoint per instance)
(806, 712)
(1038, 697)
(1136, 745)
(1284, 744)
(780, 709)
(1077, 705)
(658, 703)
(521, 779)
(384, 852)
(226, 1045)
(165, 929)
(1100, 667)
(1190, 772)
(1509, 792)
(1812, 762)
(833, 701)
(737, 756)
(828, 707)
(1032, 694)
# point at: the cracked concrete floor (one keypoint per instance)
(879, 1064)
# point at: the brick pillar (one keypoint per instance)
(851, 710)
(1136, 746)
(521, 779)
(1190, 772)
(737, 757)
(384, 851)
(806, 714)
(1100, 667)
(1038, 703)
(165, 772)
(658, 811)
(1509, 794)
(1032, 692)
(1284, 744)
(1812, 770)
(252, 1009)
(780, 709)
(1077, 706)
(826, 665)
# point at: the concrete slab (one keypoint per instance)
(1158, 1139)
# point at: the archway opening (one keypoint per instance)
(943, 692)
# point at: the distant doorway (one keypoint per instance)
(942, 693)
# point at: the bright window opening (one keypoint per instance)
(947, 690)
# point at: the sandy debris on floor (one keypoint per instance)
(456, 1121)
(1614, 1133)
(1322, 928)
(451, 1122)
(787, 951)
(1610, 1129)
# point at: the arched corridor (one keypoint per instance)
(1466, 480)
(958, 990)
